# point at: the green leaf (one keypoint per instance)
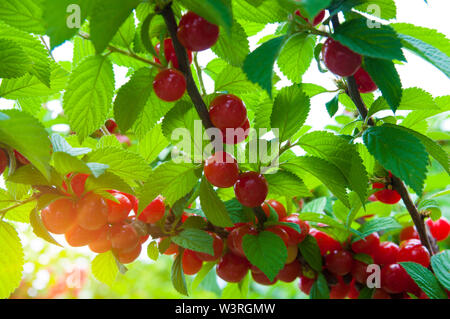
(126, 33)
(296, 56)
(195, 239)
(87, 99)
(106, 182)
(14, 61)
(399, 152)
(132, 97)
(425, 279)
(366, 293)
(105, 268)
(381, 42)
(61, 145)
(152, 251)
(387, 8)
(384, 224)
(11, 260)
(269, 11)
(27, 135)
(202, 274)
(39, 229)
(319, 289)
(290, 110)
(23, 14)
(309, 250)
(310, 8)
(259, 64)
(232, 47)
(177, 275)
(265, 251)
(215, 11)
(441, 267)
(213, 207)
(65, 164)
(233, 80)
(106, 18)
(152, 144)
(386, 77)
(333, 105)
(284, 183)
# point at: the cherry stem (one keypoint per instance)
(397, 183)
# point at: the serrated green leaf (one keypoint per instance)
(213, 207)
(232, 47)
(177, 276)
(310, 250)
(333, 105)
(106, 182)
(269, 11)
(14, 61)
(23, 14)
(296, 56)
(61, 145)
(319, 289)
(104, 268)
(196, 240)
(287, 184)
(386, 9)
(233, 80)
(87, 99)
(379, 224)
(425, 279)
(441, 267)
(152, 144)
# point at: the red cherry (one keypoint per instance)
(409, 232)
(169, 85)
(119, 211)
(232, 268)
(21, 159)
(227, 111)
(276, 205)
(339, 262)
(236, 236)
(169, 53)
(280, 232)
(154, 211)
(77, 182)
(394, 279)
(364, 81)
(385, 195)
(415, 253)
(439, 229)
(317, 19)
(386, 254)
(251, 189)
(369, 245)
(77, 236)
(103, 242)
(217, 246)
(221, 170)
(325, 242)
(191, 263)
(123, 139)
(339, 59)
(410, 242)
(359, 271)
(3, 161)
(305, 284)
(143, 239)
(261, 278)
(93, 211)
(380, 294)
(59, 216)
(129, 256)
(111, 125)
(353, 292)
(235, 136)
(290, 271)
(124, 237)
(340, 290)
(295, 237)
(195, 33)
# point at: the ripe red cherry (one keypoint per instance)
(3, 161)
(353, 292)
(415, 253)
(359, 271)
(169, 85)
(77, 182)
(386, 254)
(129, 256)
(290, 271)
(394, 279)
(21, 159)
(93, 211)
(317, 19)
(119, 211)
(386, 195)
(369, 245)
(111, 126)
(217, 247)
(235, 136)
(409, 232)
(169, 53)
(276, 205)
(154, 211)
(190, 262)
(221, 169)
(339, 262)
(227, 111)
(261, 278)
(305, 284)
(251, 189)
(340, 290)
(59, 216)
(339, 59)
(280, 232)
(381, 294)
(77, 236)
(103, 242)
(232, 268)
(236, 236)
(124, 237)
(295, 237)
(364, 81)
(439, 229)
(195, 33)
(325, 242)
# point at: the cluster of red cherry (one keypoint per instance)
(195, 34)
(86, 218)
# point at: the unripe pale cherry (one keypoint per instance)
(169, 85)
(221, 169)
(196, 33)
(339, 59)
